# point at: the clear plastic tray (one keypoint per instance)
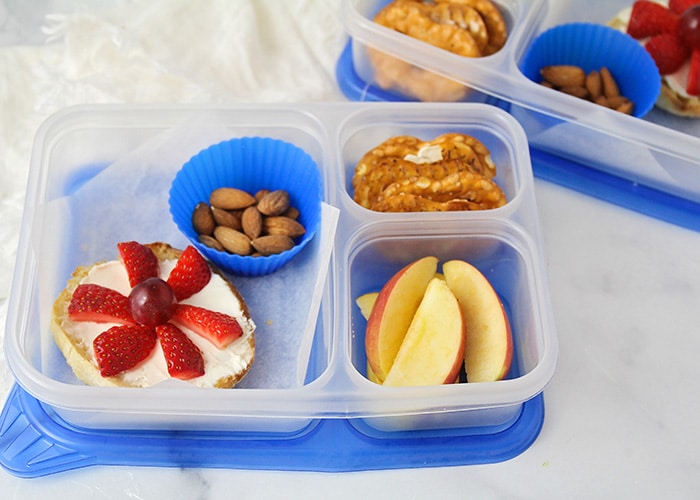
(660, 150)
(311, 363)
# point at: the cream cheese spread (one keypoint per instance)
(426, 154)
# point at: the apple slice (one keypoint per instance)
(433, 348)
(366, 303)
(371, 376)
(488, 351)
(393, 311)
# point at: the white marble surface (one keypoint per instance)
(622, 410)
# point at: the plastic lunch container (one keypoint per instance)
(659, 151)
(100, 174)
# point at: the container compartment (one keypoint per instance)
(89, 172)
(364, 131)
(88, 161)
(505, 256)
(658, 151)
(433, 82)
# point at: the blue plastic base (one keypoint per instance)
(34, 443)
(622, 192)
(583, 179)
(352, 86)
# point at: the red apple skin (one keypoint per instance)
(488, 350)
(393, 311)
(371, 376)
(432, 351)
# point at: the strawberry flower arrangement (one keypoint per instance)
(151, 313)
(672, 36)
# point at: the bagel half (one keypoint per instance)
(224, 368)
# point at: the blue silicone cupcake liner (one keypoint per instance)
(593, 46)
(250, 164)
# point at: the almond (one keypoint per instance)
(259, 194)
(237, 213)
(617, 101)
(580, 92)
(202, 219)
(610, 88)
(226, 218)
(292, 213)
(599, 87)
(211, 242)
(602, 100)
(274, 202)
(284, 226)
(230, 198)
(251, 222)
(594, 84)
(233, 241)
(626, 107)
(564, 75)
(272, 244)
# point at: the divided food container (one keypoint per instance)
(661, 150)
(100, 174)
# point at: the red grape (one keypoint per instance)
(689, 27)
(152, 302)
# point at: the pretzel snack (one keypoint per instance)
(450, 172)
(469, 28)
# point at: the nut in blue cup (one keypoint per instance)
(249, 164)
(592, 47)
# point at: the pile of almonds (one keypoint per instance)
(597, 86)
(241, 223)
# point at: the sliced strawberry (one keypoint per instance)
(668, 52)
(140, 261)
(693, 87)
(91, 302)
(680, 6)
(650, 18)
(122, 348)
(218, 328)
(183, 357)
(190, 274)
